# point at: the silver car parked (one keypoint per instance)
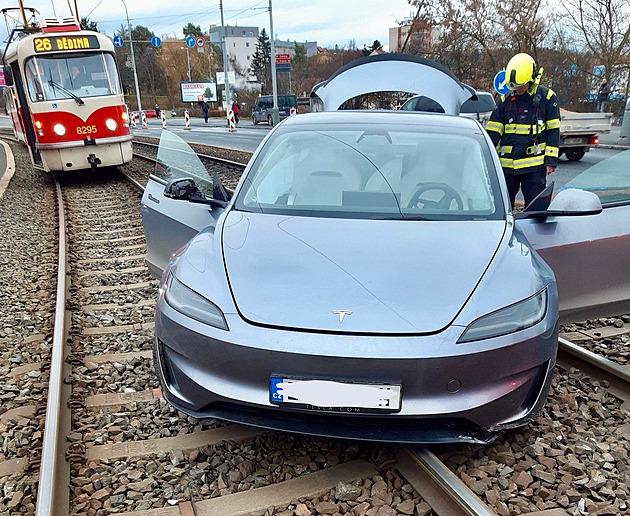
(367, 279)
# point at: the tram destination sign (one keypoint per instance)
(62, 43)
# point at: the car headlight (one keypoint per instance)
(59, 129)
(189, 303)
(111, 124)
(512, 318)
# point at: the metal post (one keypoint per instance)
(188, 60)
(275, 115)
(133, 60)
(225, 60)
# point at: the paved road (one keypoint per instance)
(247, 135)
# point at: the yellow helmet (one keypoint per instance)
(519, 71)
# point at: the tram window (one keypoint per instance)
(51, 77)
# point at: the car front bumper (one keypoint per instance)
(450, 392)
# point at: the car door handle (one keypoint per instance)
(154, 199)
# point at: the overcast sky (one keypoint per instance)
(328, 22)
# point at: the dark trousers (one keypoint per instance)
(531, 184)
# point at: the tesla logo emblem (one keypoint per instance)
(342, 314)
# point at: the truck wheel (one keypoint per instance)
(575, 153)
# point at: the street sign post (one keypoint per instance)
(118, 41)
(190, 41)
(155, 42)
(283, 59)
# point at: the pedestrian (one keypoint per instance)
(235, 111)
(204, 106)
(602, 95)
(157, 110)
(525, 129)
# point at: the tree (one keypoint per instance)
(261, 61)
(602, 28)
(86, 24)
(190, 29)
(151, 77)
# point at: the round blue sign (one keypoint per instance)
(118, 41)
(499, 83)
(155, 41)
(190, 41)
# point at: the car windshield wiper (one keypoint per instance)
(67, 91)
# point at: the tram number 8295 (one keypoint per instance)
(86, 129)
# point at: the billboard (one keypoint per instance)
(2, 83)
(198, 91)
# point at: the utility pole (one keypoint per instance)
(275, 115)
(133, 61)
(228, 97)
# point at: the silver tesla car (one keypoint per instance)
(367, 279)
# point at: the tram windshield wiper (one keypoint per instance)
(67, 91)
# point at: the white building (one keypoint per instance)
(240, 44)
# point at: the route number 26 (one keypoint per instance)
(42, 45)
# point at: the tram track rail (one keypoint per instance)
(445, 493)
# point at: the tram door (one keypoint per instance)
(25, 114)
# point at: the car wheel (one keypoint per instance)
(575, 154)
(269, 120)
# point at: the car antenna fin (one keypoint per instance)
(218, 191)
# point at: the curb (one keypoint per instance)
(612, 146)
(10, 170)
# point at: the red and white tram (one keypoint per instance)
(64, 96)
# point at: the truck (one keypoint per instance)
(578, 132)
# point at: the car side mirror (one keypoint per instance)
(181, 189)
(569, 202)
(8, 75)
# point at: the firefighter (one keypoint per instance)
(525, 128)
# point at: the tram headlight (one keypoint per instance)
(124, 116)
(111, 124)
(59, 129)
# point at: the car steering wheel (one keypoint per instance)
(450, 195)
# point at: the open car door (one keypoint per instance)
(177, 202)
(589, 254)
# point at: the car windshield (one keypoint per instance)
(609, 179)
(64, 76)
(382, 171)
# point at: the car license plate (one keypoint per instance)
(573, 141)
(333, 396)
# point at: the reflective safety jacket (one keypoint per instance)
(526, 130)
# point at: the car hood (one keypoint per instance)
(394, 276)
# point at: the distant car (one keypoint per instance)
(367, 280)
(479, 109)
(149, 113)
(262, 111)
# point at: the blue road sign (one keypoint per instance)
(284, 67)
(155, 41)
(499, 83)
(118, 41)
(190, 41)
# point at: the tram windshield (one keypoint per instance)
(66, 76)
